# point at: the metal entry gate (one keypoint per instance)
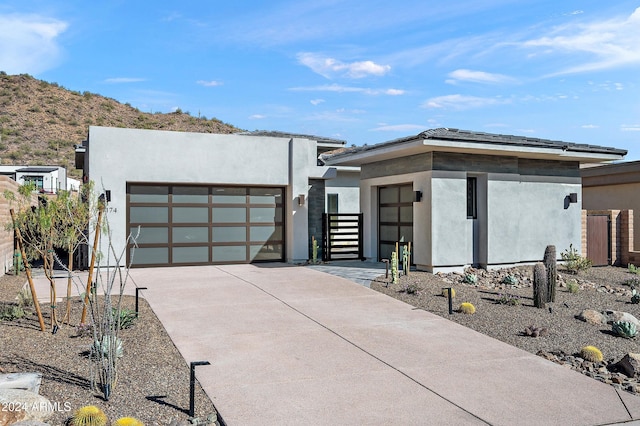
(341, 236)
(599, 239)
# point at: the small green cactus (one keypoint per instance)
(394, 267)
(591, 353)
(624, 329)
(635, 297)
(467, 308)
(470, 279)
(89, 415)
(314, 255)
(510, 280)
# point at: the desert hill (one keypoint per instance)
(40, 122)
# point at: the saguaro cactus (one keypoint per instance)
(552, 272)
(539, 285)
(394, 267)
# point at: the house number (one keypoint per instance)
(112, 210)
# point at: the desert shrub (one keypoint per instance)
(635, 296)
(10, 312)
(84, 330)
(573, 262)
(467, 308)
(126, 319)
(508, 299)
(24, 298)
(591, 353)
(572, 286)
(633, 269)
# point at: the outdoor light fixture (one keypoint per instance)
(417, 196)
(192, 386)
(301, 200)
(573, 197)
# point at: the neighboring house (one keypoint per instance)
(48, 179)
(208, 198)
(468, 198)
(613, 187)
(73, 184)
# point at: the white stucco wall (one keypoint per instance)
(347, 185)
(117, 156)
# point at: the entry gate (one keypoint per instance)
(341, 236)
(599, 239)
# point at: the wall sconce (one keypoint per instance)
(105, 196)
(417, 196)
(573, 197)
(301, 200)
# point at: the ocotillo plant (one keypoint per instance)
(552, 272)
(539, 285)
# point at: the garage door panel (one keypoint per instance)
(183, 224)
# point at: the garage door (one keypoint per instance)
(395, 214)
(199, 225)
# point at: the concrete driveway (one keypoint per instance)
(293, 346)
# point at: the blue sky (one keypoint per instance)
(362, 71)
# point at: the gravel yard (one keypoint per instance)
(600, 289)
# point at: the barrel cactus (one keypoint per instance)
(127, 421)
(89, 415)
(624, 329)
(467, 308)
(591, 353)
(445, 292)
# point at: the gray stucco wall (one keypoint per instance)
(347, 185)
(521, 208)
(117, 156)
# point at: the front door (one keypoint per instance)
(395, 218)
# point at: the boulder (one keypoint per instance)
(592, 317)
(18, 405)
(629, 365)
(613, 316)
(24, 381)
(31, 423)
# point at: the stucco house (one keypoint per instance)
(48, 179)
(469, 198)
(210, 198)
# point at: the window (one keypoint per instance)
(332, 203)
(472, 198)
(36, 180)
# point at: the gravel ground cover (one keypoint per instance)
(153, 378)
(604, 288)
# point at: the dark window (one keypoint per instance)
(472, 198)
(36, 180)
(332, 203)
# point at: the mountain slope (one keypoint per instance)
(40, 122)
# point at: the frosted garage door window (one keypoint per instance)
(148, 194)
(191, 234)
(151, 235)
(190, 215)
(229, 253)
(150, 255)
(148, 214)
(190, 254)
(187, 194)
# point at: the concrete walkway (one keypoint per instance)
(293, 346)
(354, 270)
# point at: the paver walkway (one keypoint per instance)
(293, 346)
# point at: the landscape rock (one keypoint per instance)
(613, 316)
(629, 365)
(24, 381)
(31, 423)
(18, 405)
(592, 317)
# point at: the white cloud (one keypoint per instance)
(257, 117)
(609, 43)
(117, 80)
(330, 67)
(630, 127)
(462, 102)
(399, 128)
(28, 43)
(316, 101)
(589, 126)
(337, 88)
(478, 77)
(211, 83)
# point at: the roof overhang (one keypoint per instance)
(386, 151)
